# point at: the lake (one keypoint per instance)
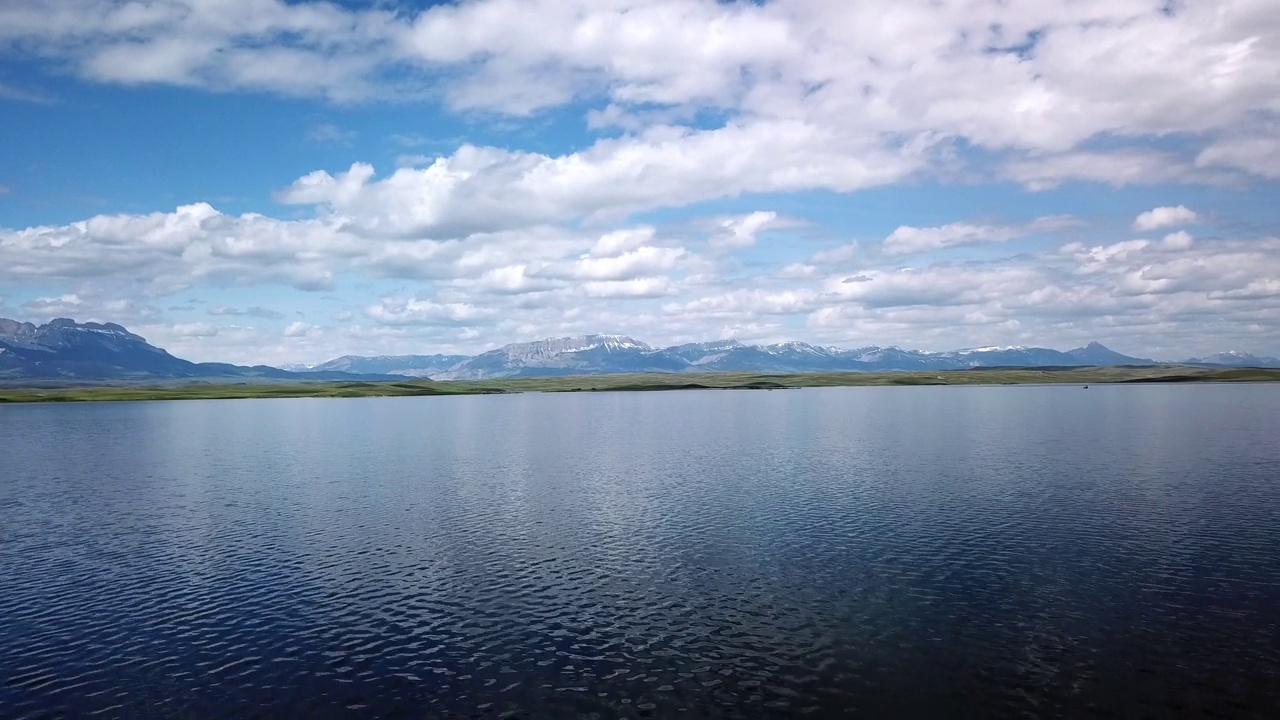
(933, 551)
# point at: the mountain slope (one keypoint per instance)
(606, 354)
(405, 365)
(1231, 358)
(63, 349)
(66, 350)
(582, 355)
(1095, 353)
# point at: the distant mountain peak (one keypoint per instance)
(63, 349)
(577, 343)
(794, 346)
(1095, 353)
(66, 349)
(1235, 358)
(994, 348)
(602, 354)
(711, 344)
(15, 329)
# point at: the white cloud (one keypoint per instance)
(1163, 217)
(618, 242)
(641, 261)
(740, 232)
(195, 330)
(299, 329)
(50, 307)
(506, 280)
(488, 189)
(907, 239)
(645, 287)
(480, 290)
(91, 306)
(166, 252)
(1257, 155)
(870, 88)
(693, 101)
(1116, 167)
(399, 311)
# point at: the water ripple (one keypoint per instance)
(875, 551)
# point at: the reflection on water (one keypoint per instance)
(945, 551)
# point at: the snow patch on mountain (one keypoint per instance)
(552, 347)
(992, 348)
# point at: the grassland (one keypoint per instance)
(651, 381)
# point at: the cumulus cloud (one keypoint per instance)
(907, 239)
(869, 88)
(485, 189)
(91, 306)
(299, 329)
(688, 101)
(1148, 297)
(644, 287)
(615, 243)
(406, 311)
(194, 330)
(60, 306)
(484, 289)
(1163, 217)
(740, 232)
(1257, 155)
(166, 252)
(1120, 167)
(644, 260)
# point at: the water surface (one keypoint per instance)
(945, 551)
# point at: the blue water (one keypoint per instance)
(946, 552)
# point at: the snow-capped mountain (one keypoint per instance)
(605, 354)
(1234, 358)
(703, 353)
(64, 349)
(554, 347)
(407, 365)
(586, 354)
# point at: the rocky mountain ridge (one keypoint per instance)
(64, 350)
(605, 354)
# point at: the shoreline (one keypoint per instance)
(646, 382)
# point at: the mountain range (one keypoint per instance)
(64, 350)
(604, 354)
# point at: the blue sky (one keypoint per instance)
(258, 181)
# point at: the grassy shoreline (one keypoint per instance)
(632, 383)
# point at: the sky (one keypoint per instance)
(258, 181)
